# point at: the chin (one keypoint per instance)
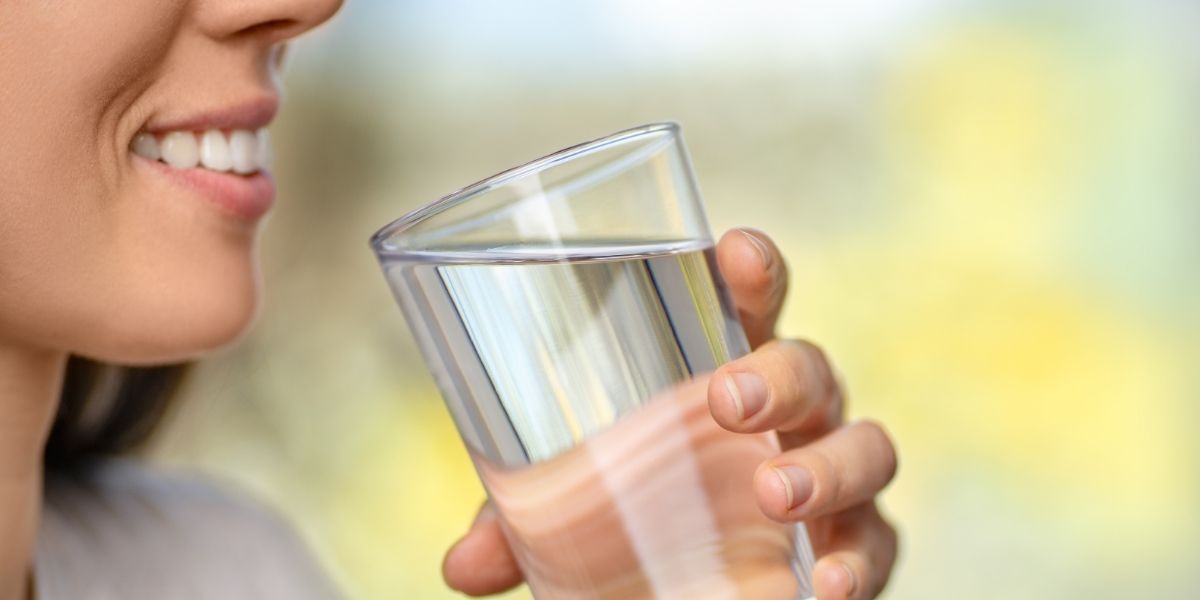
(175, 327)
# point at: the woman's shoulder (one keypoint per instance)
(123, 530)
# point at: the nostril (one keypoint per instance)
(262, 22)
(274, 30)
(279, 55)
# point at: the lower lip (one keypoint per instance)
(247, 197)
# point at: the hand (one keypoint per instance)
(827, 475)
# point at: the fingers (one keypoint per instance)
(481, 562)
(783, 385)
(843, 469)
(861, 553)
(754, 269)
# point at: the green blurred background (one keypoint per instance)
(991, 212)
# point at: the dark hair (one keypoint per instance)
(107, 410)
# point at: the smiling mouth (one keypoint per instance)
(221, 155)
(240, 151)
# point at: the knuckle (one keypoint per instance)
(813, 353)
(812, 360)
(807, 394)
(876, 428)
(783, 383)
(882, 441)
(797, 361)
(891, 549)
(761, 283)
(879, 550)
(891, 537)
(778, 278)
(802, 348)
(887, 532)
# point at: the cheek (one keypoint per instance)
(89, 263)
(68, 71)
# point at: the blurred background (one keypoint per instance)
(991, 212)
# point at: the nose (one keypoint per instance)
(269, 21)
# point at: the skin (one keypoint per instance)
(98, 255)
(848, 463)
(100, 258)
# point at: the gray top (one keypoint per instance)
(123, 531)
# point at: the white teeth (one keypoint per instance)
(242, 147)
(145, 146)
(179, 150)
(263, 155)
(214, 151)
(242, 151)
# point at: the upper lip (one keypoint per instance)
(250, 113)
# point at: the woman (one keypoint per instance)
(132, 183)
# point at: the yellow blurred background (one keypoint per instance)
(991, 212)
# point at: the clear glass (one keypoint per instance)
(571, 312)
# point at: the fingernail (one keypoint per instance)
(838, 576)
(851, 581)
(764, 252)
(797, 484)
(748, 393)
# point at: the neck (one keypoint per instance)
(30, 382)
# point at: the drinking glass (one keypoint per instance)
(571, 312)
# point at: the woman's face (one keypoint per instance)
(132, 169)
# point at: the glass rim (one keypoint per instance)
(418, 215)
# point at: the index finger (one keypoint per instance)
(754, 269)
